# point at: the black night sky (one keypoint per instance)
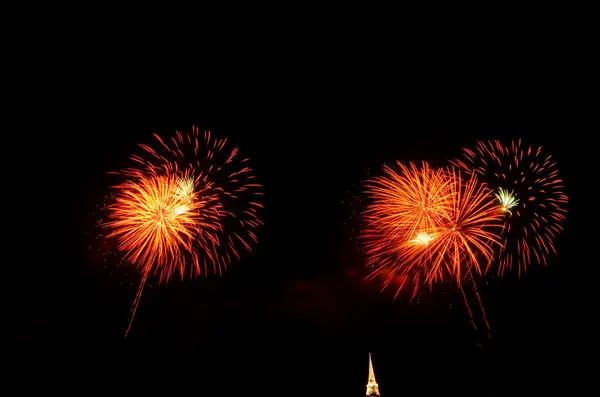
(294, 317)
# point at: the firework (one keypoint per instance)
(468, 231)
(156, 222)
(425, 225)
(217, 182)
(506, 199)
(530, 195)
(410, 202)
(406, 205)
(191, 205)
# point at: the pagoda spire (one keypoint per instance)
(372, 387)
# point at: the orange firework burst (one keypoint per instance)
(190, 205)
(157, 219)
(411, 201)
(222, 187)
(529, 194)
(425, 225)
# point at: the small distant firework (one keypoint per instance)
(507, 200)
(530, 193)
(424, 225)
(190, 205)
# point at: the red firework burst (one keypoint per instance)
(530, 195)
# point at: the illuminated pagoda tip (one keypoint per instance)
(372, 387)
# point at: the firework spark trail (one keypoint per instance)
(476, 291)
(527, 180)
(136, 302)
(472, 321)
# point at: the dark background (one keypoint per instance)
(294, 317)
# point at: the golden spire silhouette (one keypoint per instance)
(372, 387)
